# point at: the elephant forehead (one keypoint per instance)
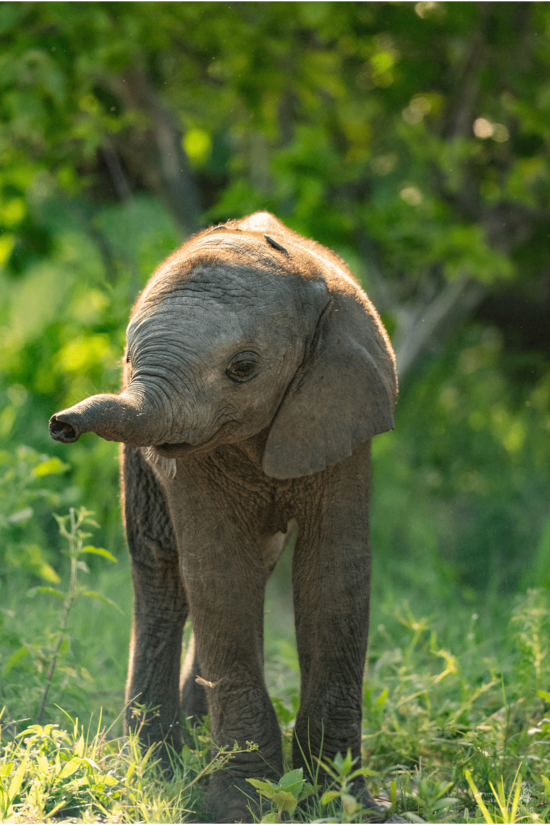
(195, 321)
(232, 303)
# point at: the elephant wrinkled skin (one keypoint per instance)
(256, 373)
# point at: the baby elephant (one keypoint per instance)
(255, 375)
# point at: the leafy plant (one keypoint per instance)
(286, 795)
(342, 772)
(48, 650)
(70, 528)
(47, 771)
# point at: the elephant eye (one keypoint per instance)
(242, 367)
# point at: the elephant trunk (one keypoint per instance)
(127, 417)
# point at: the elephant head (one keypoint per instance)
(248, 326)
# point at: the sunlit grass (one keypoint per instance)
(456, 724)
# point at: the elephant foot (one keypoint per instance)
(232, 800)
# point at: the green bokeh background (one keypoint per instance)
(413, 139)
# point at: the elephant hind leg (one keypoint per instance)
(160, 604)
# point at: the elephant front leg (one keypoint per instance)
(225, 583)
(331, 581)
(160, 608)
(331, 631)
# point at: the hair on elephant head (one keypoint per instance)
(255, 375)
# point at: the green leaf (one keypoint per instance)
(57, 808)
(266, 787)
(381, 700)
(47, 572)
(71, 767)
(517, 794)
(329, 796)
(17, 779)
(477, 796)
(350, 803)
(100, 551)
(106, 779)
(186, 755)
(292, 778)
(16, 657)
(285, 801)
(52, 591)
(52, 465)
(90, 762)
(91, 594)
(270, 818)
(347, 764)
(363, 772)
(544, 695)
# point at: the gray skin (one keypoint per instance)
(256, 373)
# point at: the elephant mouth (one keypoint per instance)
(184, 448)
(176, 450)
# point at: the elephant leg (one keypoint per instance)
(193, 696)
(160, 606)
(331, 582)
(225, 581)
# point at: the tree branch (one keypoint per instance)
(161, 148)
(426, 328)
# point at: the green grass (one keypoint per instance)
(456, 721)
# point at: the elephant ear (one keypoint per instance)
(343, 394)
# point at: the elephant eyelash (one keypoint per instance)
(240, 378)
(242, 368)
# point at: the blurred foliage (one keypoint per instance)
(465, 474)
(24, 504)
(413, 139)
